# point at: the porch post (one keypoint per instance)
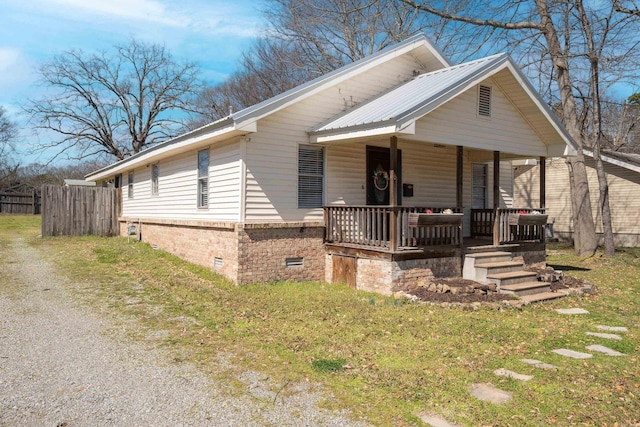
(459, 175)
(496, 197)
(543, 185)
(393, 196)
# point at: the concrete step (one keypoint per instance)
(469, 270)
(496, 256)
(483, 270)
(526, 288)
(543, 297)
(501, 267)
(511, 278)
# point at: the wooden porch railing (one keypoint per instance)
(372, 226)
(509, 231)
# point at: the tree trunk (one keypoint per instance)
(585, 242)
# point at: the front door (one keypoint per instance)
(378, 181)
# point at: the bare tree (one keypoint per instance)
(621, 122)
(308, 38)
(115, 102)
(584, 46)
(8, 132)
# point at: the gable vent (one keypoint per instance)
(484, 101)
(294, 262)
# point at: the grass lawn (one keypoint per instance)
(385, 360)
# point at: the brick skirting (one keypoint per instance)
(244, 253)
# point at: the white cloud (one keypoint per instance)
(15, 73)
(139, 10)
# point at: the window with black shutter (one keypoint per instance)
(310, 176)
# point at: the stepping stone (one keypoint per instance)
(612, 328)
(435, 420)
(571, 353)
(539, 364)
(607, 336)
(489, 393)
(605, 350)
(510, 374)
(572, 311)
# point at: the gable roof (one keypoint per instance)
(412, 99)
(243, 122)
(398, 109)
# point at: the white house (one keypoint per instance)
(623, 177)
(300, 186)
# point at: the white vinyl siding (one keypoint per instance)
(310, 176)
(456, 123)
(272, 154)
(179, 193)
(203, 179)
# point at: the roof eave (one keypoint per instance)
(201, 137)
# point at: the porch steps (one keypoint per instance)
(511, 278)
(526, 288)
(545, 296)
(499, 268)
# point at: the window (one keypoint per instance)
(130, 185)
(203, 179)
(155, 175)
(479, 183)
(484, 101)
(310, 176)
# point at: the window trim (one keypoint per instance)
(321, 176)
(485, 186)
(130, 181)
(203, 178)
(155, 179)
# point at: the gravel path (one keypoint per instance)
(63, 364)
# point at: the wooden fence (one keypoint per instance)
(80, 211)
(19, 202)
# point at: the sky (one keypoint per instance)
(212, 33)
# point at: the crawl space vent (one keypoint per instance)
(217, 262)
(294, 262)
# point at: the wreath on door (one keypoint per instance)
(380, 179)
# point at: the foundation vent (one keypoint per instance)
(217, 262)
(294, 262)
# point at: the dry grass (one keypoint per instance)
(395, 359)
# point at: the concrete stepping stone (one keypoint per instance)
(607, 336)
(489, 393)
(539, 364)
(603, 349)
(612, 328)
(570, 353)
(435, 420)
(572, 311)
(510, 374)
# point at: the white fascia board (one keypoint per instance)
(572, 145)
(561, 150)
(614, 161)
(344, 134)
(166, 150)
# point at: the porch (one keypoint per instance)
(398, 230)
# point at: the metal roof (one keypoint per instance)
(414, 98)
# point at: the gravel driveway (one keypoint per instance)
(65, 364)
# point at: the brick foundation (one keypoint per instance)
(248, 252)
(263, 252)
(387, 276)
